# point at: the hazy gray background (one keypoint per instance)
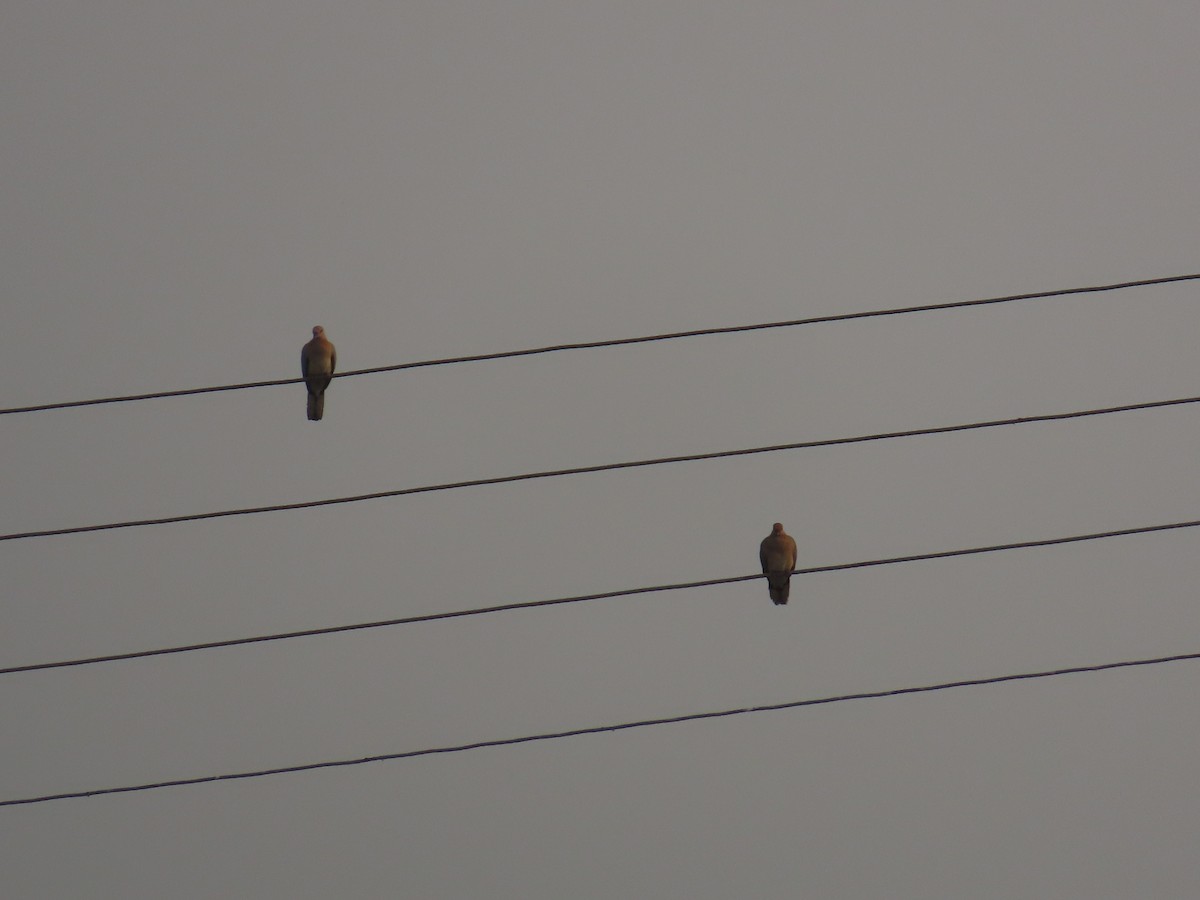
(188, 187)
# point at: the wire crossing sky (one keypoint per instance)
(617, 342)
(603, 467)
(557, 601)
(599, 729)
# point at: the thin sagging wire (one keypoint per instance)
(557, 601)
(599, 729)
(615, 342)
(603, 467)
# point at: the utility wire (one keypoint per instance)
(590, 345)
(532, 604)
(604, 467)
(599, 729)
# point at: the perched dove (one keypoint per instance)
(318, 359)
(777, 553)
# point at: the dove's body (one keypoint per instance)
(777, 553)
(318, 359)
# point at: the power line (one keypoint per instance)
(556, 601)
(616, 342)
(604, 467)
(599, 729)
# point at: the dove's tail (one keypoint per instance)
(779, 586)
(316, 406)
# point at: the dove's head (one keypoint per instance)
(777, 528)
(318, 331)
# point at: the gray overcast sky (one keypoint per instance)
(188, 187)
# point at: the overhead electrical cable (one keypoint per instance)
(533, 604)
(603, 467)
(616, 342)
(600, 729)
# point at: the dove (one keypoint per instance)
(777, 553)
(318, 358)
